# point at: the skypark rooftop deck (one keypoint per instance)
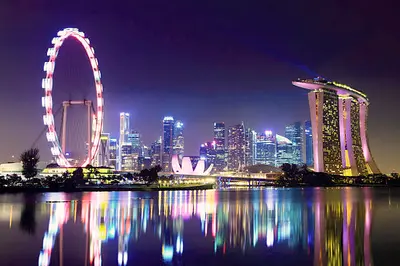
(341, 89)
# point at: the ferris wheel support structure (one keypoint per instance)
(67, 104)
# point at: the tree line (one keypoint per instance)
(295, 175)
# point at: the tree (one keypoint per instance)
(144, 174)
(291, 175)
(129, 176)
(91, 170)
(33, 182)
(77, 175)
(30, 159)
(76, 179)
(318, 179)
(51, 182)
(150, 175)
(14, 180)
(65, 175)
(3, 181)
(395, 175)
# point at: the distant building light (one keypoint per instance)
(268, 132)
(168, 118)
(179, 124)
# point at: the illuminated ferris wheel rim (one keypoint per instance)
(47, 100)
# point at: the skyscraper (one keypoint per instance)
(124, 128)
(208, 153)
(134, 140)
(284, 151)
(219, 139)
(178, 139)
(126, 157)
(144, 163)
(251, 137)
(168, 136)
(156, 152)
(339, 127)
(146, 152)
(265, 149)
(294, 133)
(113, 152)
(236, 147)
(308, 143)
(103, 156)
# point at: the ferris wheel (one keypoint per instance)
(95, 119)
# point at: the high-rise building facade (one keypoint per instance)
(144, 163)
(284, 151)
(178, 139)
(236, 147)
(126, 157)
(134, 140)
(208, 153)
(156, 152)
(113, 153)
(265, 149)
(308, 143)
(251, 138)
(168, 137)
(103, 155)
(339, 128)
(220, 148)
(204, 150)
(124, 129)
(146, 151)
(295, 133)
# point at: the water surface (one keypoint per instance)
(346, 226)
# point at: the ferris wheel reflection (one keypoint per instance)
(58, 217)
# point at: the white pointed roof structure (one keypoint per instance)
(187, 167)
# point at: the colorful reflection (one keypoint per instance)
(331, 228)
(58, 217)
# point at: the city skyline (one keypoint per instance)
(184, 70)
(238, 148)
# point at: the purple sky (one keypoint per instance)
(200, 62)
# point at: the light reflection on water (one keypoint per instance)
(214, 227)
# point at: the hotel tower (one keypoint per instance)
(339, 128)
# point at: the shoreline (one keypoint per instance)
(13, 190)
(145, 188)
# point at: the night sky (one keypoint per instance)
(200, 61)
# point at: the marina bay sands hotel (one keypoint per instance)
(339, 128)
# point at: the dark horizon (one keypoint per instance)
(200, 63)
